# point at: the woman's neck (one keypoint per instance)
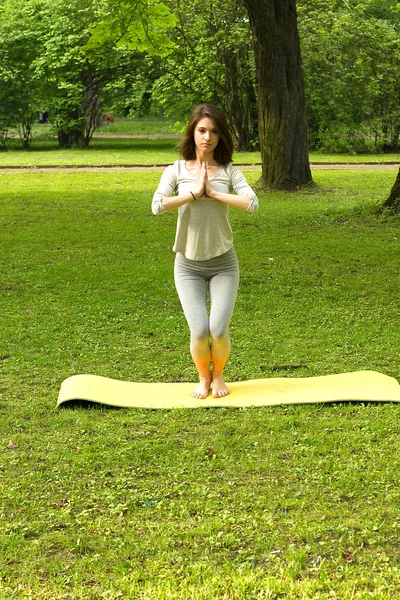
(207, 157)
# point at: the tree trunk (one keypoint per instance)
(3, 135)
(240, 101)
(66, 129)
(281, 104)
(65, 138)
(90, 111)
(25, 128)
(243, 116)
(77, 126)
(393, 202)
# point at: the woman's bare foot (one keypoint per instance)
(219, 389)
(201, 391)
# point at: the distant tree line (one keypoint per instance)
(59, 56)
(77, 58)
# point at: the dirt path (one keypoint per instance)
(161, 167)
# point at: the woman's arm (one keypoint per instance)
(165, 201)
(242, 202)
(244, 198)
(172, 202)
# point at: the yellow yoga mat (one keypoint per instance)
(358, 386)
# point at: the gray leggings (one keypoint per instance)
(194, 280)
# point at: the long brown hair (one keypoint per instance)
(223, 151)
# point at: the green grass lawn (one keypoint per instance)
(283, 502)
(153, 150)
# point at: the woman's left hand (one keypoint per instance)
(242, 201)
(209, 191)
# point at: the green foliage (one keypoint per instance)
(351, 64)
(135, 57)
(20, 87)
(351, 56)
(139, 25)
(212, 62)
(130, 93)
(62, 54)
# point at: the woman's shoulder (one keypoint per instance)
(176, 167)
(230, 170)
(173, 170)
(229, 167)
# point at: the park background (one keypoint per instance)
(290, 501)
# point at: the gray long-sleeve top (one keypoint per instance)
(203, 229)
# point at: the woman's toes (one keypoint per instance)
(201, 391)
(219, 389)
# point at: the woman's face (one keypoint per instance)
(206, 136)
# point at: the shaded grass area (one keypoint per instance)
(122, 126)
(298, 502)
(142, 126)
(150, 151)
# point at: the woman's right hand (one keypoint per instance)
(200, 189)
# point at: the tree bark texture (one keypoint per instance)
(240, 104)
(282, 116)
(82, 120)
(392, 203)
(90, 111)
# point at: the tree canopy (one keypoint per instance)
(351, 58)
(212, 61)
(59, 55)
(75, 58)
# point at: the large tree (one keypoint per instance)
(392, 203)
(282, 116)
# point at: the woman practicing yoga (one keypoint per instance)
(200, 186)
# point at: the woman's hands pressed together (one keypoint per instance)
(205, 187)
(204, 183)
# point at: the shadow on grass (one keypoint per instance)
(89, 405)
(51, 145)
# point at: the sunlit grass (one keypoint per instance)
(152, 150)
(285, 502)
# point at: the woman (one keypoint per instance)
(200, 186)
